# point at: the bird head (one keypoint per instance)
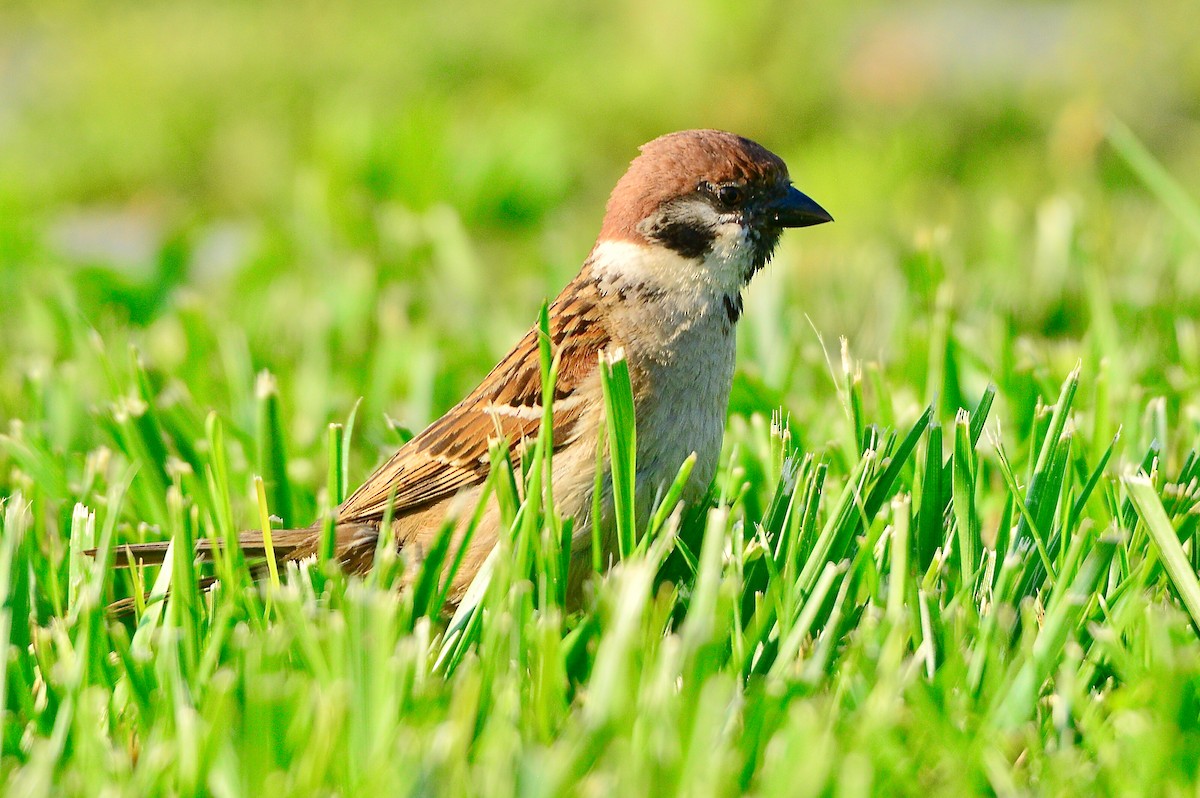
(711, 198)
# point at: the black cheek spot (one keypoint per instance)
(685, 237)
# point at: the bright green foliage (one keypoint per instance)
(951, 548)
(811, 635)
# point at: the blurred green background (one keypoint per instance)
(372, 199)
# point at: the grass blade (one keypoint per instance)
(622, 445)
(1166, 542)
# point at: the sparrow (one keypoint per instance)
(695, 217)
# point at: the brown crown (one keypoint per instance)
(675, 165)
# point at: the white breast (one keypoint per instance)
(683, 342)
(685, 409)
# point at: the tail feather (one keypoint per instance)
(128, 605)
(287, 544)
(355, 548)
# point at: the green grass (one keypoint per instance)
(952, 545)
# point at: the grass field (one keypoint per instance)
(952, 549)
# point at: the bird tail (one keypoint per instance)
(128, 605)
(287, 544)
(354, 547)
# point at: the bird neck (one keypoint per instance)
(676, 290)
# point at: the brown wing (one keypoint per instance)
(452, 453)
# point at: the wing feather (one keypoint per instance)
(452, 453)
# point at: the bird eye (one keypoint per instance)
(730, 195)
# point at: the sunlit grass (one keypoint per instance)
(917, 619)
(951, 548)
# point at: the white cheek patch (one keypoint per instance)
(720, 273)
(618, 263)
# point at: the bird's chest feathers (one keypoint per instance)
(682, 406)
(676, 318)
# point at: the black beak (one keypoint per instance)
(796, 209)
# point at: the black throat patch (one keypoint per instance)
(764, 241)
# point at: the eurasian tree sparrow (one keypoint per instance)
(697, 214)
